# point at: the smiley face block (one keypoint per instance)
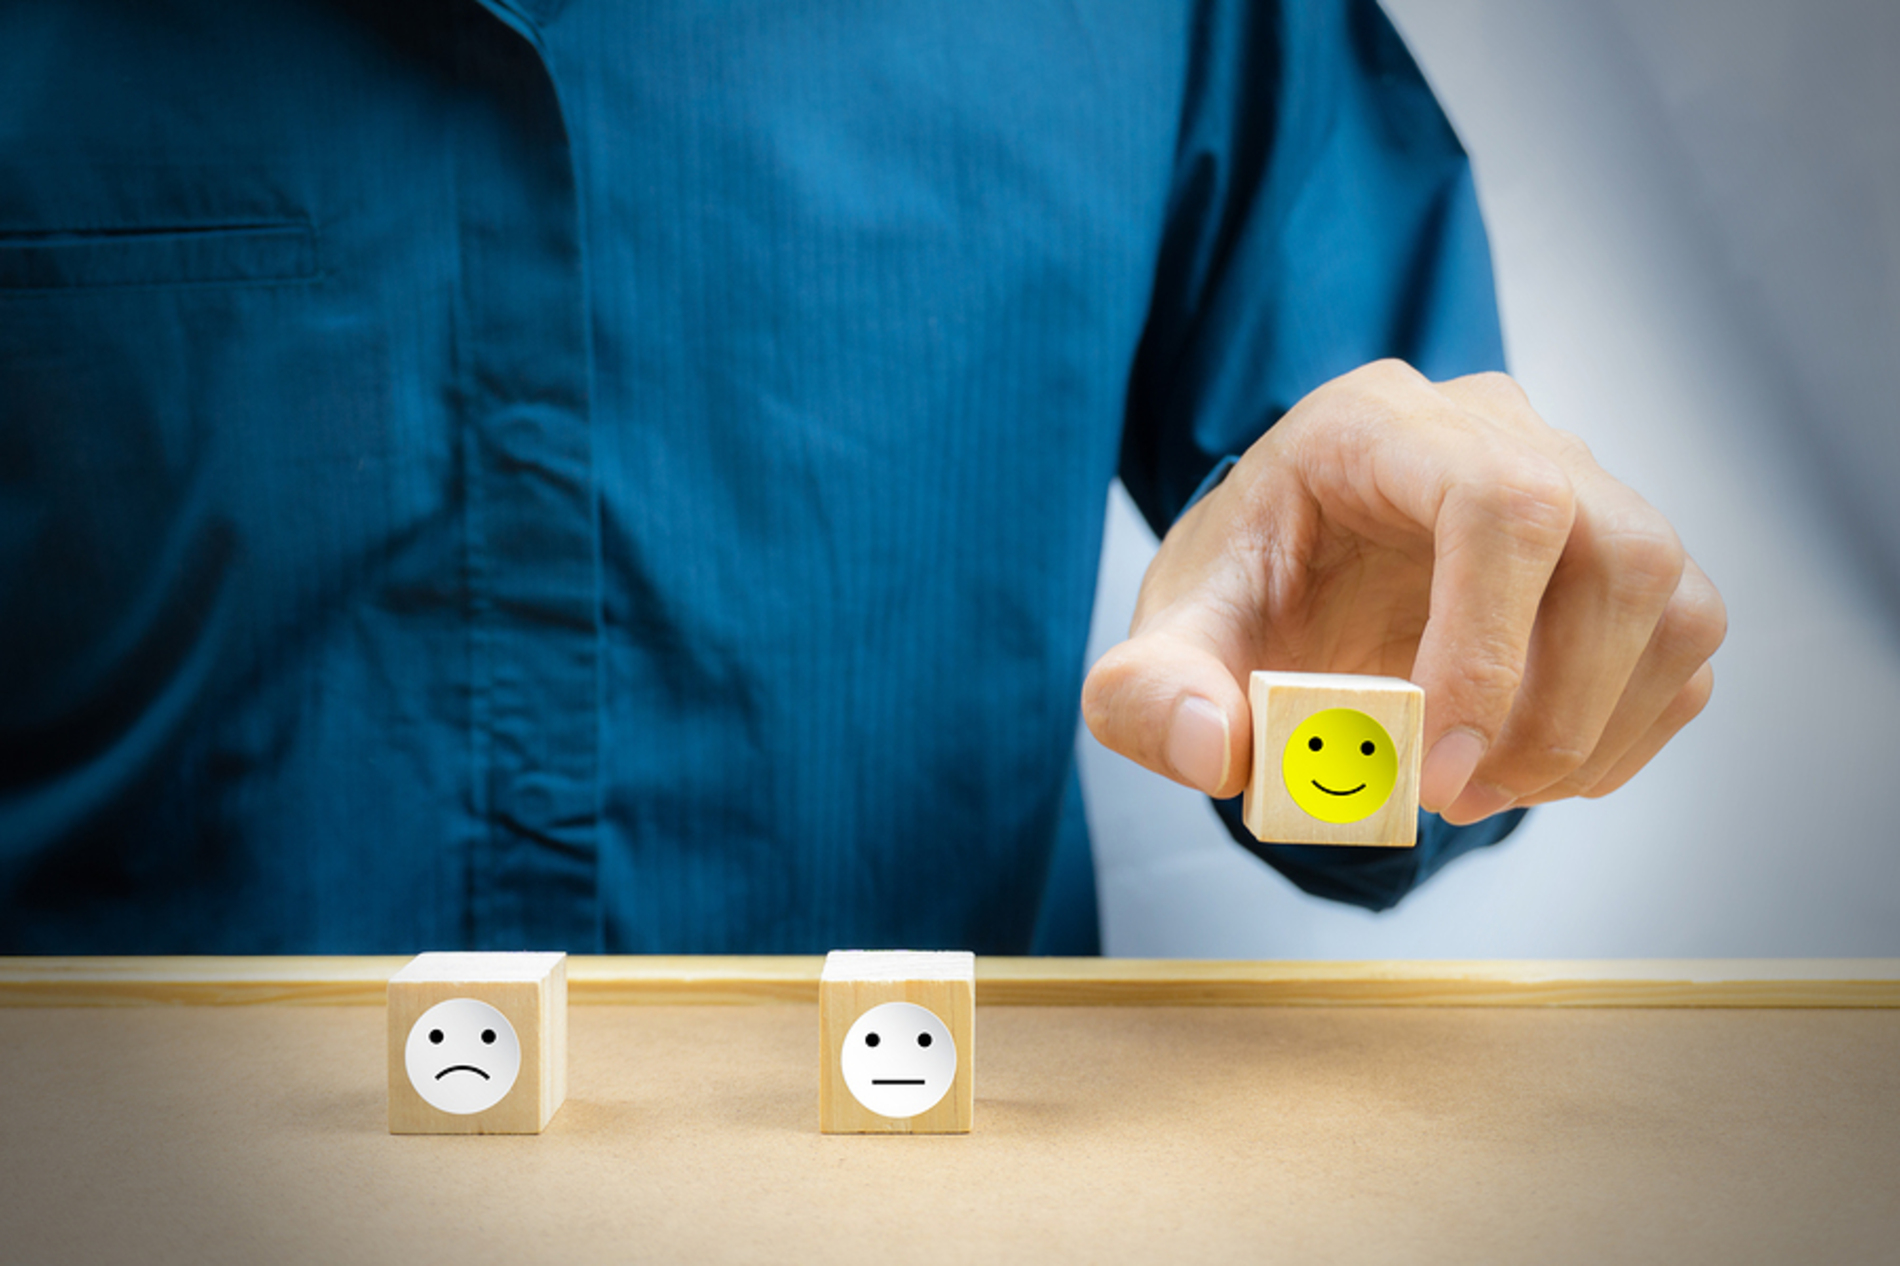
(477, 1043)
(898, 1037)
(1335, 759)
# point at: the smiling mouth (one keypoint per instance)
(897, 1081)
(462, 1068)
(1329, 791)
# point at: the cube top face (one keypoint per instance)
(898, 1042)
(477, 1043)
(1335, 759)
(900, 965)
(478, 967)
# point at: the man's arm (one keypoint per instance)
(1325, 274)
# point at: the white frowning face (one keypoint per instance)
(462, 1056)
(899, 1060)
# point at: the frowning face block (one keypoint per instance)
(898, 1038)
(1335, 759)
(477, 1043)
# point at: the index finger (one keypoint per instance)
(1504, 514)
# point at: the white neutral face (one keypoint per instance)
(462, 1056)
(898, 1059)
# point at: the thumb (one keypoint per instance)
(1169, 702)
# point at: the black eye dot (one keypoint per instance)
(1367, 747)
(1314, 743)
(435, 1035)
(923, 1039)
(870, 1039)
(488, 1037)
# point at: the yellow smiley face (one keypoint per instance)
(1340, 765)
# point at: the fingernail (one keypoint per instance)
(1448, 768)
(1479, 801)
(1197, 743)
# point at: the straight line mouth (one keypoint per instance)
(462, 1068)
(1329, 791)
(897, 1081)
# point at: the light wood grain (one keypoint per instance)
(195, 981)
(844, 996)
(536, 1006)
(1572, 983)
(1280, 702)
(631, 980)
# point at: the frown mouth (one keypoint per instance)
(462, 1068)
(1329, 791)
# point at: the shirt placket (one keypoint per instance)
(522, 378)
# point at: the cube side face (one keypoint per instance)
(1281, 703)
(841, 1002)
(554, 1049)
(526, 1107)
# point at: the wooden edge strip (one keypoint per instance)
(628, 980)
(1605, 983)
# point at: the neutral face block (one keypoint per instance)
(1335, 759)
(477, 1043)
(898, 1042)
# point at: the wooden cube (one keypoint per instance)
(1335, 759)
(477, 1043)
(898, 1034)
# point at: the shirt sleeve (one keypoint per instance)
(1321, 216)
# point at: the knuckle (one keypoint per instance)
(1707, 618)
(1645, 559)
(1576, 784)
(1540, 758)
(1387, 373)
(1695, 623)
(1499, 387)
(1490, 683)
(1373, 390)
(1695, 695)
(1530, 493)
(1573, 445)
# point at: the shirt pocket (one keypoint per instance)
(181, 255)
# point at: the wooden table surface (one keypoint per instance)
(1603, 1112)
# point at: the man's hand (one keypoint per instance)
(1437, 531)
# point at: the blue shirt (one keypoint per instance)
(630, 476)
